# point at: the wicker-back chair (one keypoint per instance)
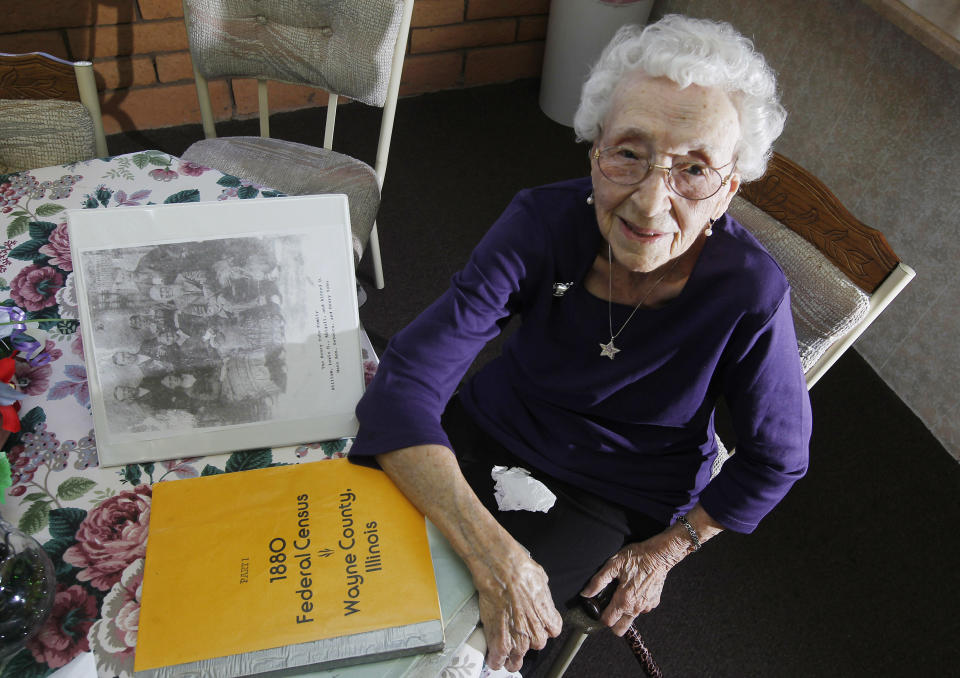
(350, 48)
(49, 112)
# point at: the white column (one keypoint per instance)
(577, 31)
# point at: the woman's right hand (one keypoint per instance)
(516, 610)
(516, 607)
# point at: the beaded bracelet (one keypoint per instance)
(694, 537)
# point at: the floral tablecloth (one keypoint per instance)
(92, 521)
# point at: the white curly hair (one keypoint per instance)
(692, 51)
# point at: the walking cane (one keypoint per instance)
(594, 606)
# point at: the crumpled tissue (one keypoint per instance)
(516, 490)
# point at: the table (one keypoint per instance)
(93, 521)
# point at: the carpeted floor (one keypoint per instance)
(856, 573)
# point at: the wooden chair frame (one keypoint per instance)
(800, 201)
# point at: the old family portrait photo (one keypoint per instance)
(193, 334)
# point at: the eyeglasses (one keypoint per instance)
(687, 178)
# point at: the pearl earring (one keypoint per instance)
(590, 199)
(709, 230)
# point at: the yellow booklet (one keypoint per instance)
(318, 563)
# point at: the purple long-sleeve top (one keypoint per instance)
(639, 429)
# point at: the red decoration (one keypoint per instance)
(9, 420)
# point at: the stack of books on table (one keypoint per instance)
(321, 564)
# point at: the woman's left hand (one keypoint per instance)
(641, 570)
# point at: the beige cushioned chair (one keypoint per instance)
(842, 275)
(49, 112)
(350, 48)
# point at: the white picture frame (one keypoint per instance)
(213, 327)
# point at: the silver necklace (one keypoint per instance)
(609, 350)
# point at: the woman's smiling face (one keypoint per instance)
(647, 224)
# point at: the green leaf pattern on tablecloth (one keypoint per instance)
(36, 517)
(29, 251)
(55, 548)
(229, 181)
(23, 665)
(235, 187)
(131, 474)
(250, 459)
(189, 195)
(30, 421)
(49, 209)
(64, 522)
(156, 158)
(19, 225)
(36, 455)
(74, 488)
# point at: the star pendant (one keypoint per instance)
(609, 350)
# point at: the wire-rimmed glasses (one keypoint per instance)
(686, 177)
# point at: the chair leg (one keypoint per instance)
(377, 263)
(569, 650)
(206, 107)
(90, 97)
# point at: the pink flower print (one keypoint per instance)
(77, 345)
(33, 379)
(9, 197)
(27, 185)
(35, 287)
(331, 449)
(302, 450)
(58, 248)
(112, 536)
(15, 188)
(163, 174)
(369, 371)
(64, 634)
(50, 348)
(76, 385)
(227, 193)
(192, 169)
(4, 252)
(134, 198)
(182, 468)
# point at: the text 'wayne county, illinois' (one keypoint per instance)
(358, 545)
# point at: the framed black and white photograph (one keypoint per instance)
(213, 327)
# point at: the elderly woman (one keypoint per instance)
(642, 304)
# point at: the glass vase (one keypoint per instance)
(27, 587)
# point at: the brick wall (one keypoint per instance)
(139, 51)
